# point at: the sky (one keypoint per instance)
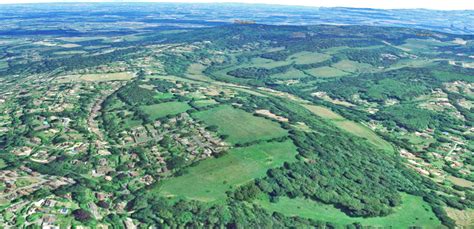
(383, 4)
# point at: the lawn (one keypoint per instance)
(211, 178)
(163, 109)
(239, 125)
(351, 126)
(412, 212)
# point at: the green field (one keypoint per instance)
(290, 74)
(326, 71)
(70, 52)
(195, 72)
(351, 127)
(352, 66)
(161, 95)
(211, 178)
(412, 212)
(240, 126)
(2, 164)
(308, 57)
(3, 64)
(163, 109)
(423, 45)
(205, 102)
(264, 63)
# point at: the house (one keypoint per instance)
(49, 203)
(64, 211)
(48, 221)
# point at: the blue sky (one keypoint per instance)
(384, 4)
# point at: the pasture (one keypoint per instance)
(211, 178)
(412, 212)
(240, 126)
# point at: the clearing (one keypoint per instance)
(211, 178)
(308, 57)
(412, 212)
(350, 126)
(97, 77)
(326, 72)
(352, 66)
(463, 218)
(239, 125)
(163, 109)
(205, 102)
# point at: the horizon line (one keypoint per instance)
(221, 2)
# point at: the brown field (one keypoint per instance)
(324, 112)
(269, 114)
(463, 218)
(461, 182)
(119, 76)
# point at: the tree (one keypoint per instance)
(82, 215)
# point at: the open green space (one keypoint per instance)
(240, 126)
(162, 95)
(412, 212)
(350, 126)
(211, 178)
(2, 164)
(326, 71)
(3, 64)
(76, 52)
(163, 109)
(290, 74)
(205, 102)
(308, 57)
(423, 45)
(264, 63)
(352, 66)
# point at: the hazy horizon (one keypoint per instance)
(380, 4)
